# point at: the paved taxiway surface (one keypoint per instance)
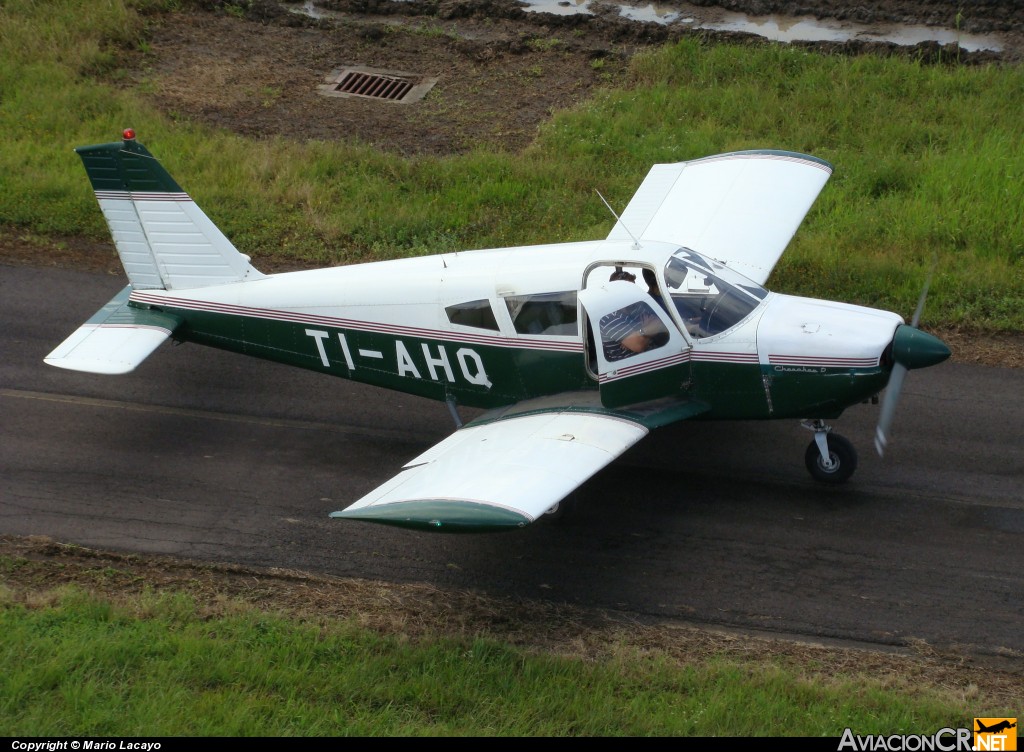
(218, 457)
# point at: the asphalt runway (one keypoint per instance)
(217, 457)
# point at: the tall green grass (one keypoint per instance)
(78, 664)
(929, 162)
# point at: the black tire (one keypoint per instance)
(842, 454)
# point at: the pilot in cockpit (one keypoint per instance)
(635, 328)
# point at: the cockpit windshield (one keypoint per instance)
(710, 297)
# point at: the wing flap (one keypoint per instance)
(115, 340)
(653, 414)
(498, 476)
(740, 208)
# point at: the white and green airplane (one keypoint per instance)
(575, 350)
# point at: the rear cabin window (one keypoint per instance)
(549, 313)
(476, 313)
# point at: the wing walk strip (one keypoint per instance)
(352, 324)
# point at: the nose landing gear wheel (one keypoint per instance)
(843, 459)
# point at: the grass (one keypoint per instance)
(78, 662)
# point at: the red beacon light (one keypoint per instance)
(129, 134)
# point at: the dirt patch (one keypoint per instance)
(254, 66)
(498, 78)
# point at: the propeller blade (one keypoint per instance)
(892, 396)
(912, 348)
(924, 294)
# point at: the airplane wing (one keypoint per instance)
(740, 208)
(115, 340)
(507, 468)
(498, 476)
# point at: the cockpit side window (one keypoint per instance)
(475, 313)
(545, 314)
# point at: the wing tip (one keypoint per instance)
(90, 365)
(779, 154)
(440, 516)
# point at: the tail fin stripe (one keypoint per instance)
(136, 196)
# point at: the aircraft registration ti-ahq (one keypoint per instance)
(575, 351)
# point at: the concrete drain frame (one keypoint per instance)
(374, 83)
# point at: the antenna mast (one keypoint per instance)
(636, 243)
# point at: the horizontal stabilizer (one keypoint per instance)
(115, 340)
(498, 476)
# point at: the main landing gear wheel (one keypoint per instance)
(842, 460)
(558, 514)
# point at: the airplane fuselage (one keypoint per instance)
(392, 325)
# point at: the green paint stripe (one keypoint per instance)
(441, 516)
(125, 166)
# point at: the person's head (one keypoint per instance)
(652, 281)
(623, 275)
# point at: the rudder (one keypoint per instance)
(163, 238)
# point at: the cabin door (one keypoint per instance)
(633, 348)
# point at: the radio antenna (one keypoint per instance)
(636, 243)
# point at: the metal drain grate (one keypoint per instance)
(373, 85)
(390, 86)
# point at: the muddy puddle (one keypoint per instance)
(772, 27)
(779, 28)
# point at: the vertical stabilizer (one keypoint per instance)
(164, 239)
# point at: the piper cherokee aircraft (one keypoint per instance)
(574, 360)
